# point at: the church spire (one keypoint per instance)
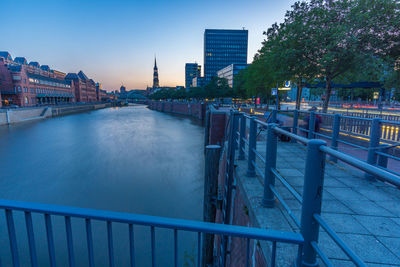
(155, 75)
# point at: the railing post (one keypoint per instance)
(210, 198)
(274, 116)
(295, 124)
(311, 125)
(312, 199)
(383, 160)
(236, 134)
(251, 172)
(335, 135)
(270, 162)
(206, 130)
(374, 138)
(242, 136)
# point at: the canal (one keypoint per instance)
(128, 159)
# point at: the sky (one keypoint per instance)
(114, 42)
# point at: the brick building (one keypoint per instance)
(85, 88)
(24, 84)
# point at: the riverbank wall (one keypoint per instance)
(19, 115)
(242, 213)
(195, 110)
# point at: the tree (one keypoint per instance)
(323, 39)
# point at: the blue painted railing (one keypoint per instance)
(311, 199)
(130, 220)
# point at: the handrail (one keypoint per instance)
(339, 241)
(383, 175)
(147, 220)
(291, 135)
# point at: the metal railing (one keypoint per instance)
(375, 136)
(130, 220)
(311, 199)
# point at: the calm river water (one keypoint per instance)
(129, 159)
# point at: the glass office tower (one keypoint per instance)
(222, 48)
(192, 70)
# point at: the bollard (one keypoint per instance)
(383, 160)
(270, 162)
(207, 130)
(335, 135)
(274, 116)
(311, 125)
(210, 197)
(312, 199)
(295, 124)
(375, 135)
(236, 135)
(251, 171)
(242, 136)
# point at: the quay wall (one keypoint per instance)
(60, 111)
(196, 110)
(217, 122)
(11, 116)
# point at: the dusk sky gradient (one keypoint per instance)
(114, 42)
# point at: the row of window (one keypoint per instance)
(33, 80)
(19, 89)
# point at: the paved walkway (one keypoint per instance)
(366, 215)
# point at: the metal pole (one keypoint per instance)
(277, 96)
(207, 130)
(383, 160)
(295, 124)
(311, 125)
(375, 135)
(270, 162)
(242, 136)
(312, 199)
(335, 135)
(210, 197)
(251, 172)
(274, 116)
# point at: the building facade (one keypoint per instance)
(230, 71)
(32, 84)
(198, 82)
(24, 84)
(84, 88)
(222, 48)
(192, 70)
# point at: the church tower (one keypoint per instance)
(155, 75)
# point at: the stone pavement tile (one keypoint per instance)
(333, 182)
(379, 226)
(353, 181)
(343, 223)
(348, 263)
(392, 243)
(345, 194)
(369, 249)
(327, 196)
(366, 207)
(396, 220)
(329, 247)
(297, 180)
(337, 173)
(374, 193)
(335, 206)
(392, 206)
(392, 191)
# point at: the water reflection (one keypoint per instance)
(128, 159)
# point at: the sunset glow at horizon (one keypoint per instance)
(114, 42)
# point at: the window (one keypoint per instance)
(26, 100)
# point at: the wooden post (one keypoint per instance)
(210, 198)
